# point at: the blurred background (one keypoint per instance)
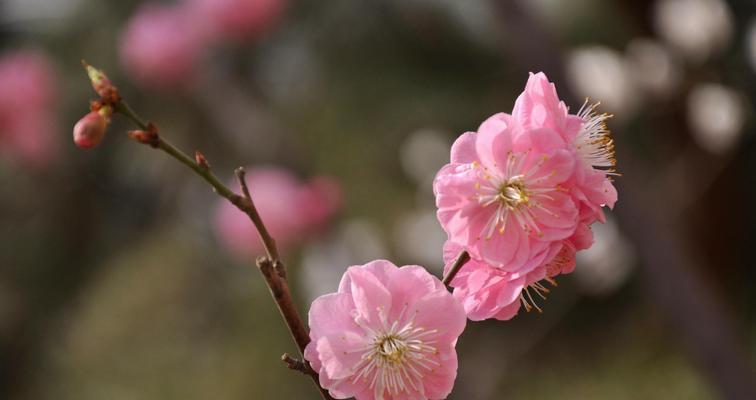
(122, 276)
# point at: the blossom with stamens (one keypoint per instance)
(585, 134)
(504, 196)
(489, 292)
(387, 333)
(520, 195)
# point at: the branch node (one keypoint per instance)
(201, 160)
(147, 136)
(280, 269)
(296, 364)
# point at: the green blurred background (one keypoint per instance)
(113, 284)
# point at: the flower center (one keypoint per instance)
(391, 348)
(512, 193)
(397, 358)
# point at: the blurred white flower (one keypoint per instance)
(419, 239)
(751, 43)
(715, 116)
(697, 28)
(603, 75)
(606, 265)
(423, 153)
(652, 67)
(356, 242)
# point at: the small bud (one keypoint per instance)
(90, 130)
(101, 84)
(200, 159)
(145, 137)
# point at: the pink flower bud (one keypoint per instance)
(90, 130)
(100, 83)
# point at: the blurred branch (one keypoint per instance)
(270, 266)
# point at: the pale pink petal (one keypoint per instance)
(493, 140)
(339, 354)
(463, 149)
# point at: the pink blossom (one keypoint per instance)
(388, 333)
(586, 135)
(291, 210)
(27, 107)
(236, 19)
(489, 292)
(520, 195)
(503, 197)
(160, 46)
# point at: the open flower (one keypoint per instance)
(585, 134)
(489, 292)
(520, 195)
(388, 333)
(503, 196)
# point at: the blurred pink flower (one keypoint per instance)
(388, 333)
(160, 46)
(236, 19)
(27, 107)
(291, 210)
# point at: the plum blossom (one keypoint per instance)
(292, 210)
(27, 107)
(519, 195)
(490, 292)
(503, 196)
(387, 333)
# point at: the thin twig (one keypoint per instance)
(270, 266)
(461, 260)
(268, 242)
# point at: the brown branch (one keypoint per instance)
(461, 260)
(270, 266)
(270, 245)
(296, 364)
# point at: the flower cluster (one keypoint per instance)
(517, 201)
(519, 195)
